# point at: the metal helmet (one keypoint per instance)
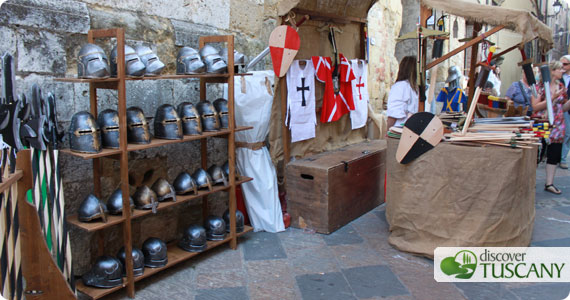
(92, 62)
(191, 124)
(137, 126)
(153, 65)
(163, 190)
(208, 115)
(84, 133)
(167, 124)
(217, 174)
(115, 202)
(226, 168)
(221, 106)
(184, 184)
(145, 198)
(138, 261)
(105, 273)
(202, 179)
(194, 239)
(239, 220)
(189, 62)
(239, 58)
(91, 208)
(453, 73)
(133, 64)
(215, 228)
(214, 62)
(154, 250)
(108, 121)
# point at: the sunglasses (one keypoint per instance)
(565, 64)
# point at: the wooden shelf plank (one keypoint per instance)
(153, 143)
(137, 213)
(96, 224)
(223, 76)
(175, 256)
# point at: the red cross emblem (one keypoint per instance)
(359, 85)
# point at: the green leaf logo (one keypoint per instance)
(462, 265)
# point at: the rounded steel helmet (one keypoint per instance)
(215, 228)
(91, 208)
(145, 198)
(453, 73)
(138, 261)
(214, 62)
(189, 62)
(84, 133)
(153, 65)
(202, 179)
(194, 239)
(239, 58)
(239, 220)
(108, 121)
(217, 174)
(154, 250)
(221, 106)
(105, 273)
(163, 190)
(92, 62)
(184, 184)
(226, 168)
(191, 124)
(209, 116)
(167, 124)
(115, 202)
(137, 126)
(133, 65)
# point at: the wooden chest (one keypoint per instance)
(330, 189)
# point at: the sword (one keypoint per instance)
(545, 73)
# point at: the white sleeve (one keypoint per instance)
(397, 102)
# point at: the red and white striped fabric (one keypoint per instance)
(334, 105)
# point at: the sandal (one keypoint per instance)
(552, 189)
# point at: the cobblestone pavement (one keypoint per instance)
(355, 262)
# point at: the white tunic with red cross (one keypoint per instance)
(359, 116)
(301, 101)
(334, 105)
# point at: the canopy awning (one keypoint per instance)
(426, 32)
(520, 21)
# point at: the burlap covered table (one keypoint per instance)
(460, 196)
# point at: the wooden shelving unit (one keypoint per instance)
(175, 254)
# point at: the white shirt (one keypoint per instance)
(402, 101)
(301, 85)
(566, 79)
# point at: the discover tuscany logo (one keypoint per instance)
(502, 264)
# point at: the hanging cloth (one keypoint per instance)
(335, 105)
(359, 116)
(253, 108)
(301, 101)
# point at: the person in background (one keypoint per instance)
(565, 60)
(495, 78)
(560, 105)
(519, 92)
(452, 95)
(403, 96)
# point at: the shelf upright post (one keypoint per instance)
(122, 110)
(203, 142)
(231, 142)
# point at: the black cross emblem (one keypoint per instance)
(303, 88)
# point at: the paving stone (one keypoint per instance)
(484, 291)
(329, 286)
(553, 243)
(313, 260)
(372, 281)
(277, 289)
(218, 279)
(564, 209)
(345, 235)
(220, 258)
(235, 293)
(356, 255)
(540, 291)
(263, 245)
(268, 270)
(550, 224)
(298, 238)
